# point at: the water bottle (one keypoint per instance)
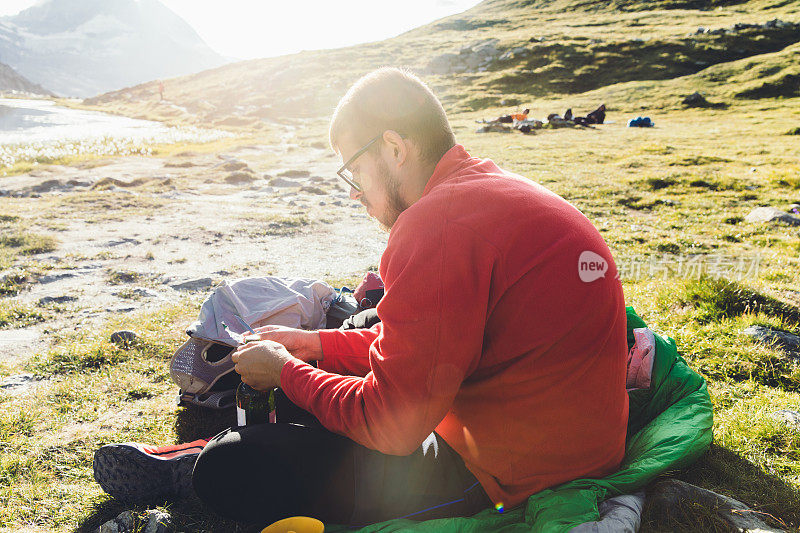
(254, 406)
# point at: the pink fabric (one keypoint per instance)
(640, 360)
(370, 281)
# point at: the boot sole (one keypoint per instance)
(131, 475)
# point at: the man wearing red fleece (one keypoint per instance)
(498, 366)
(502, 333)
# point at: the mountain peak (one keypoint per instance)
(101, 45)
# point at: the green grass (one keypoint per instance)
(95, 393)
(670, 201)
(116, 277)
(16, 315)
(275, 224)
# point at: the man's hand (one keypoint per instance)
(260, 363)
(305, 345)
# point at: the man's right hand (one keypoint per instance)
(305, 345)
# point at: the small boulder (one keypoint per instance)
(283, 182)
(46, 186)
(783, 340)
(240, 177)
(193, 284)
(672, 500)
(109, 527)
(56, 299)
(695, 100)
(49, 278)
(124, 338)
(790, 417)
(235, 164)
(291, 173)
(157, 521)
(771, 214)
(126, 521)
(312, 190)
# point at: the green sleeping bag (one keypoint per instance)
(669, 427)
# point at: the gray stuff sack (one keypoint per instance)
(294, 302)
(203, 360)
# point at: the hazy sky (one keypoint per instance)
(246, 29)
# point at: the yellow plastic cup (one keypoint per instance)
(295, 524)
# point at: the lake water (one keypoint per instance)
(40, 131)
(41, 121)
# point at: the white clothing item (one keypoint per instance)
(294, 302)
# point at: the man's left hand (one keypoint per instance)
(260, 363)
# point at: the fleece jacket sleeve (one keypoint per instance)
(346, 351)
(437, 277)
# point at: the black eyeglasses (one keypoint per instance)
(346, 174)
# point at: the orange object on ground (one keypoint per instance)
(295, 524)
(520, 116)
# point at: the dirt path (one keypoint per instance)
(137, 232)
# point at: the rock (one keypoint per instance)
(124, 338)
(294, 173)
(17, 380)
(109, 527)
(441, 64)
(121, 309)
(771, 214)
(157, 522)
(777, 23)
(193, 284)
(283, 182)
(695, 100)
(56, 299)
(46, 186)
(783, 340)
(124, 240)
(126, 521)
(790, 417)
(312, 190)
(470, 57)
(55, 277)
(235, 164)
(671, 500)
(240, 177)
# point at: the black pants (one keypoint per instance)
(260, 474)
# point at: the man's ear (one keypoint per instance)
(396, 146)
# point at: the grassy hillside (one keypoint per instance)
(544, 48)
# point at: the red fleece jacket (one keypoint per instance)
(489, 336)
